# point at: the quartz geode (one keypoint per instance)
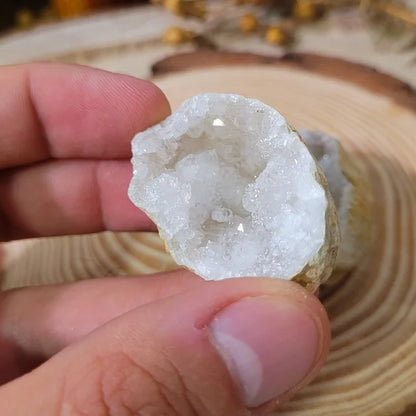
(235, 192)
(352, 196)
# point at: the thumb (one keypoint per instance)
(217, 349)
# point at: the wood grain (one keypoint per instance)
(371, 369)
(362, 75)
(372, 366)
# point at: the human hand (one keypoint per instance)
(168, 344)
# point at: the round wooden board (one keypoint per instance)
(372, 366)
(371, 369)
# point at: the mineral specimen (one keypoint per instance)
(352, 196)
(235, 192)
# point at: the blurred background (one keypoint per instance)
(25, 13)
(130, 35)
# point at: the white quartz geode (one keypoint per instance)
(235, 192)
(352, 196)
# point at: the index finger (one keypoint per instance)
(72, 112)
(55, 119)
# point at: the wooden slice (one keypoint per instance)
(371, 369)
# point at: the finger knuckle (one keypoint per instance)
(115, 384)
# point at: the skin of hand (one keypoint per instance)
(167, 344)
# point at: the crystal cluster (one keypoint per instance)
(351, 194)
(232, 189)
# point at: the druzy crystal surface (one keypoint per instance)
(352, 196)
(325, 149)
(231, 187)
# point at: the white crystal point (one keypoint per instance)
(234, 191)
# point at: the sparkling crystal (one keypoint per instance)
(218, 122)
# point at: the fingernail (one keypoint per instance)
(268, 344)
